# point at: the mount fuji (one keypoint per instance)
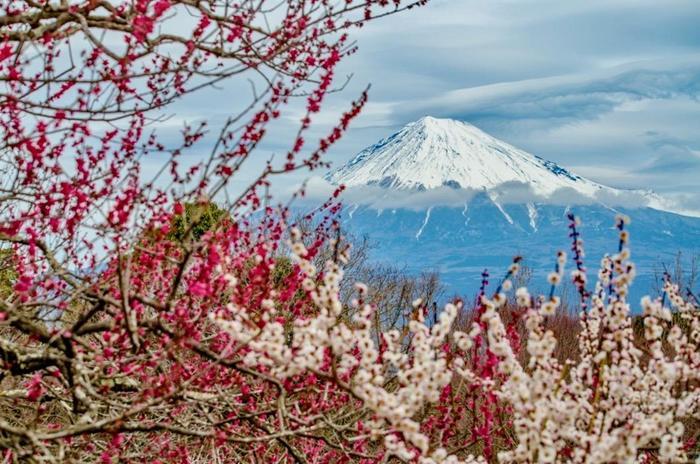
(443, 195)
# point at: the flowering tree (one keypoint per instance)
(110, 348)
(138, 322)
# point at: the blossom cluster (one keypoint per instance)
(622, 396)
(374, 367)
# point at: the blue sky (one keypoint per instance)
(607, 88)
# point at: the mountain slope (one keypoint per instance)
(460, 243)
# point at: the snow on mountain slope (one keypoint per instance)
(432, 152)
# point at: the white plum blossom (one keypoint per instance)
(616, 399)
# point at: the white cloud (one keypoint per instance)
(318, 190)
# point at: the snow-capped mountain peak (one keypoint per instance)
(432, 152)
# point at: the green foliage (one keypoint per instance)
(199, 217)
(283, 268)
(8, 273)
